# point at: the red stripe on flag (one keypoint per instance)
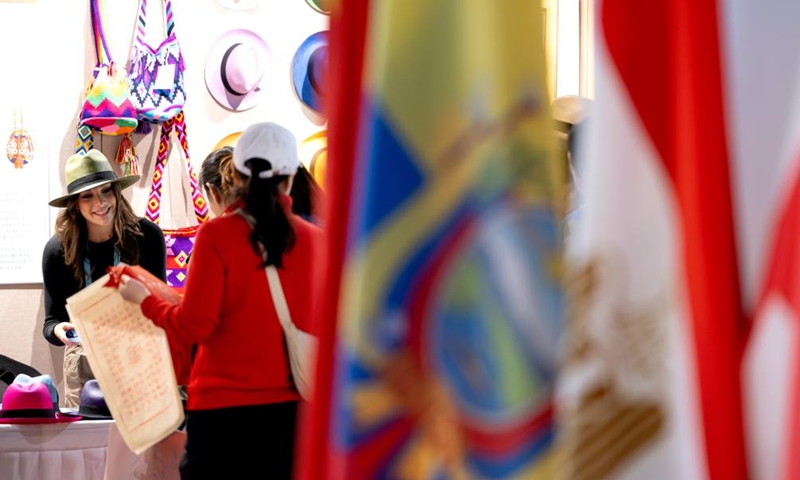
(668, 57)
(783, 278)
(347, 31)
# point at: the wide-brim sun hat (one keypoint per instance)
(321, 6)
(237, 65)
(30, 403)
(239, 4)
(314, 154)
(310, 71)
(84, 172)
(268, 141)
(228, 141)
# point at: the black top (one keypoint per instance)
(60, 282)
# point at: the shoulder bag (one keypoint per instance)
(180, 241)
(107, 107)
(156, 74)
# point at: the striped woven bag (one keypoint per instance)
(180, 241)
(107, 107)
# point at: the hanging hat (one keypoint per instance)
(85, 171)
(314, 155)
(31, 403)
(270, 142)
(310, 71)
(239, 4)
(236, 66)
(568, 110)
(322, 6)
(228, 141)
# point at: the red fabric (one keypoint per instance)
(668, 57)
(227, 311)
(348, 25)
(783, 280)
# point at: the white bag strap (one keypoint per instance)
(278, 299)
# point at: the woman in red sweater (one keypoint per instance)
(240, 386)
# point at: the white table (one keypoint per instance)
(60, 451)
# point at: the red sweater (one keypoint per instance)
(227, 311)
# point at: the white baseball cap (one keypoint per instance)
(271, 142)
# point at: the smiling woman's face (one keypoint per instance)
(98, 206)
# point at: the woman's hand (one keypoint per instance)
(61, 330)
(133, 290)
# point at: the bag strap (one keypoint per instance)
(84, 140)
(141, 22)
(274, 281)
(278, 298)
(101, 48)
(177, 124)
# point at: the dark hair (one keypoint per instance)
(74, 234)
(271, 228)
(304, 194)
(217, 171)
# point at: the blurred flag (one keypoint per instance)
(765, 53)
(651, 384)
(348, 23)
(450, 307)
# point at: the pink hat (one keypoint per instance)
(236, 66)
(30, 403)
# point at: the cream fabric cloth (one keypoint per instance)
(59, 451)
(159, 462)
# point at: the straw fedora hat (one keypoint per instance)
(87, 171)
(236, 66)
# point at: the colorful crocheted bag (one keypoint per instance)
(156, 74)
(107, 107)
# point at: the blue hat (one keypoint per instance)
(310, 71)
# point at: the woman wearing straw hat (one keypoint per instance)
(241, 380)
(95, 230)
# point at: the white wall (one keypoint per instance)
(49, 86)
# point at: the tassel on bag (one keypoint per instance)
(126, 156)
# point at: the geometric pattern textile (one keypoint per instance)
(179, 241)
(156, 99)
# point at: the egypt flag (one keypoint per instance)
(765, 136)
(449, 314)
(651, 381)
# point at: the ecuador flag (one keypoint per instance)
(447, 292)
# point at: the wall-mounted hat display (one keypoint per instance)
(228, 141)
(314, 154)
(239, 4)
(322, 6)
(310, 71)
(236, 66)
